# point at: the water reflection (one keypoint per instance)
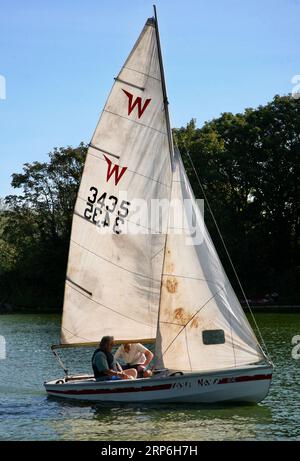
(160, 422)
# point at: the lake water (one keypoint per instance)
(26, 413)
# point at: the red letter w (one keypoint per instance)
(137, 102)
(113, 169)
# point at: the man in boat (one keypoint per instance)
(105, 366)
(136, 356)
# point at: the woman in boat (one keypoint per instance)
(105, 366)
(136, 356)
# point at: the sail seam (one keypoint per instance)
(142, 73)
(73, 334)
(134, 121)
(196, 313)
(114, 264)
(131, 222)
(180, 228)
(110, 308)
(131, 171)
(173, 323)
(157, 253)
(151, 231)
(188, 277)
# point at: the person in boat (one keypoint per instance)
(104, 364)
(136, 356)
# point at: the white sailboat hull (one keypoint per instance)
(247, 384)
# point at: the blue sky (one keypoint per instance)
(59, 58)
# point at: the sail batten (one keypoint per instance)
(136, 122)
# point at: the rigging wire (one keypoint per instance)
(61, 363)
(265, 352)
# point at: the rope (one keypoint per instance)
(266, 352)
(60, 362)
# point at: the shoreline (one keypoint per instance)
(288, 308)
(272, 309)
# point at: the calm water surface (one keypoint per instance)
(27, 414)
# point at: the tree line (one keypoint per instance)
(249, 167)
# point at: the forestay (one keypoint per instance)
(201, 323)
(113, 278)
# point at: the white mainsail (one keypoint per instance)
(113, 278)
(201, 323)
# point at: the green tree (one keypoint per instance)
(36, 228)
(249, 166)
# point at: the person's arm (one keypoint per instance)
(149, 356)
(121, 374)
(119, 353)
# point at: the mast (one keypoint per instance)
(164, 88)
(170, 142)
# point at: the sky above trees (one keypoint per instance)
(59, 59)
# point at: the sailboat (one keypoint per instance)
(140, 280)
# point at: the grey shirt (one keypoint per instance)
(100, 361)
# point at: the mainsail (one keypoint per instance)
(201, 323)
(114, 277)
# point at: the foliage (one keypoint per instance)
(35, 229)
(249, 165)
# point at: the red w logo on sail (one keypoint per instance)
(115, 170)
(137, 102)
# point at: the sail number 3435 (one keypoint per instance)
(105, 210)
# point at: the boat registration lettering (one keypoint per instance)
(208, 381)
(185, 384)
(104, 210)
